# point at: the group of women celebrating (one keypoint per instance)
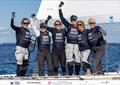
(72, 45)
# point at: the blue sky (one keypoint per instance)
(23, 8)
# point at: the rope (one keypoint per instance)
(118, 50)
(106, 57)
(108, 66)
(104, 69)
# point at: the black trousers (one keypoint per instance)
(43, 56)
(97, 59)
(58, 56)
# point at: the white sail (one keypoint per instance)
(102, 10)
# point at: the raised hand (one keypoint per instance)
(13, 14)
(61, 4)
(33, 15)
(49, 17)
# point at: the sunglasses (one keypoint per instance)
(25, 23)
(57, 24)
(92, 23)
(43, 27)
(79, 25)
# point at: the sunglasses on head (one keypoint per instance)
(92, 23)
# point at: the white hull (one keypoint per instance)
(107, 79)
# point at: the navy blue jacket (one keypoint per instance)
(22, 35)
(43, 41)
(72, 32)
(58, 37)
(95, 37)
(83, 41)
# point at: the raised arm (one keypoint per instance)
(64, 21)
(12, 22)
(50, 29)
(34, 26)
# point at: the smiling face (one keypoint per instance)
(73, 20)
(57, 24)
(74, 23)
(92, 23)
(25, 22)
(80, 25)
(42, 27)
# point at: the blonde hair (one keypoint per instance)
(91, 20)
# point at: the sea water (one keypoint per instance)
(110, 62)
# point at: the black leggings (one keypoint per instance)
(59, 57)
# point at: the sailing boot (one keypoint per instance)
(55, 71)
(70, 68)
(77, 68)
(86, 68)
(64, 71)
(24, 67)
(19, 70)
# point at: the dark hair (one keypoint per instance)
(25, 19)
(43, 25)
(73, 18)
(57, 21)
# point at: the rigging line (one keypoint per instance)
(115, 55)
(115, 48)
(103, 69)
(118, 70)
(109, 66)
(106, 56)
